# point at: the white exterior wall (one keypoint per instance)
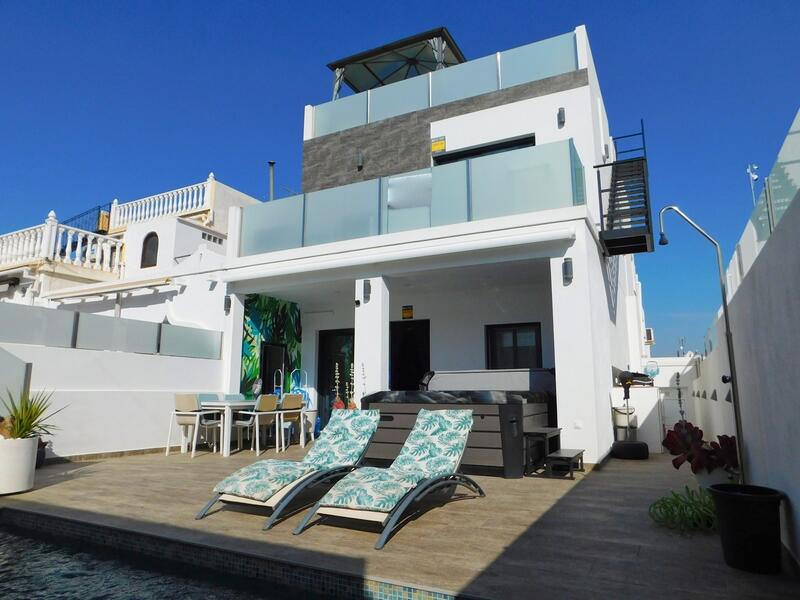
(765, 322)
(537, 116)
(582, 358)
(458, 320)
(226, 197)
(113, 401)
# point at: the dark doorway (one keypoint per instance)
(335, 347)
(273, 357)
(409, 353)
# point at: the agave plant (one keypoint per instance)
(27, 416)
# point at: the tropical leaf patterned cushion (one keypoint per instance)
(341, 444)
(344, 439)
(433, 449)
(371, 488)
(263, 479)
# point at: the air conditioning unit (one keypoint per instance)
(649, 336)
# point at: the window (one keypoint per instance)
(516, 346)
(523, 141)
(150, 250)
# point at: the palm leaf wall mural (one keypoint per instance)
(274, 321)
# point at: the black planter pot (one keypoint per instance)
(41, 453)
(749, 526)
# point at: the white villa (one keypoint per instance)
(456, 216)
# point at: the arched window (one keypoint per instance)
(150, 250)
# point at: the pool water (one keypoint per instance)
(32, 568)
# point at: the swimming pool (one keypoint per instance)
(32, 568)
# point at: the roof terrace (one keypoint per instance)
(425, 84)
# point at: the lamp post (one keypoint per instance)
(753, 177)
(732, 379)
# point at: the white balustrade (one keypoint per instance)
(189, 199)
(61, 244)
(21, 246)
(89, 250)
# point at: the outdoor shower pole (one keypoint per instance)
(734, 381)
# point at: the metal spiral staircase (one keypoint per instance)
(625, 225)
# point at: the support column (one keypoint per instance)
(232, 343)
(580, 347)
(371, 361)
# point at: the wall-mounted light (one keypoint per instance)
(367, 290)
(566, 271)
(562, 117)
(227, 305)
(359, 160)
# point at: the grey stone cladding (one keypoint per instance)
(401, 144)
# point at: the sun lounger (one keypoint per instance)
(275, 483)
(428, 461)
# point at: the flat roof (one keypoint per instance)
(408, 57)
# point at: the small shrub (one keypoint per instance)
(685, 511)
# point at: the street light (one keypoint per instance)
(732, 379)
(753, 177)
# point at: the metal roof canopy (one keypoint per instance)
(415, 55)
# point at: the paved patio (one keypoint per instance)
(528, 538)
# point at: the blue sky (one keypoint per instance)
(104, 100)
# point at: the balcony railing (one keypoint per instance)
(183, 201)
(532, 62)
(60, 244)
(517, 181)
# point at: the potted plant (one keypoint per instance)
(24, 422)
(711, 462)
(748, 516)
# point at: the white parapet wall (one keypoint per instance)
(113, 401)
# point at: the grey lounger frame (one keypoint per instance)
(422, 489)
(313, 479)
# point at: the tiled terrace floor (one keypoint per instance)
(528, 538)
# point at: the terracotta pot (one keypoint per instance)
(18, 457)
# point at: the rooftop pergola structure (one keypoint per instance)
(415, 55)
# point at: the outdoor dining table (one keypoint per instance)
(227, 408)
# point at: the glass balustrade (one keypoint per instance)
(502, 184)
(531, 62)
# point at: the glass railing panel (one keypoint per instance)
(524, 180)
(784, 179)
(398, 98)
(274, 225)
(97, 332)
(23, 324)
(344, 113)
(759, 218)
(190, 342)
(578, 176)
(342, 213)
(406, 201)
(462, 81)
(449, 194)
(538, 60)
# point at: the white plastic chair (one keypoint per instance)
(188, 414)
